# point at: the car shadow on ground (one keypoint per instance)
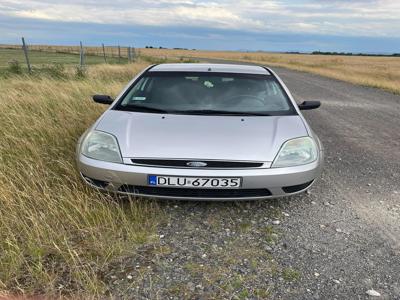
(223, 205)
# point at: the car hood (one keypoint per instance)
(250, 138)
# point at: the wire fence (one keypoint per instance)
(80, 55)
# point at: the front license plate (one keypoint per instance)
(196, 182)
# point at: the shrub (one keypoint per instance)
(80, 72)
(14, 67)
(56, 71)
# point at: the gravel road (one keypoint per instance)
(339, 241)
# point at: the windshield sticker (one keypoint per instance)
(192, 78)
(139, 98)
(208, 84)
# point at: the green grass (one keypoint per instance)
(271, 235)
(290, 274)
(40, 58)
(244, 227)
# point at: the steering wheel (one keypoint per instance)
(241, 98)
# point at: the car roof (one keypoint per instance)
(217, 68)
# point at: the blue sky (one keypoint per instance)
(270, 25)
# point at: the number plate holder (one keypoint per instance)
(195, 182)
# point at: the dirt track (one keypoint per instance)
(337, 242)
(358, 195)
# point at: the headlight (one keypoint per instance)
(102, 146)
(296, 152)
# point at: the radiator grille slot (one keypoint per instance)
(214, 164)
(194, 193)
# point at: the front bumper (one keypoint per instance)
(132, 179)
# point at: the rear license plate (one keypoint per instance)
(195, 182)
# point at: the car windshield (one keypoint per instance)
(207, 93)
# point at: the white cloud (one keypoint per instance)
(165, 13)
(338, 17)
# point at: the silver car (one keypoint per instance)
(203, 132)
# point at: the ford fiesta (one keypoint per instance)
(204, 132)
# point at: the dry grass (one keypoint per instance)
(56, 234)
(378, 72)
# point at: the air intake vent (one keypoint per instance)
(213, 164)
(296, 188)
(194, 193)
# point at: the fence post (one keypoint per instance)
(104, 53)
(81, 56)
(133, 54)
(25, 47)
(129, 55)
(119, 53)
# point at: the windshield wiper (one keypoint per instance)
(141, 108)
(224, 112)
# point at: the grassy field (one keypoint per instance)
(52, 61)
(57, 235)
(378, 72)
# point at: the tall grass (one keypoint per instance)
(57, 235)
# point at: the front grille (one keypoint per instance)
(194, 193)
(178, 163)
(296, 188)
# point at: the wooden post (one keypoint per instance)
(129, 55)
(81, 56)
(133, 54)
(25, 47)
(119, 54)
(104, 53)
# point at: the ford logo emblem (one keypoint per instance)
(196, 164)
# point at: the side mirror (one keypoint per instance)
(103, 99)
(306, 105)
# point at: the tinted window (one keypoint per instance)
(182, 92)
